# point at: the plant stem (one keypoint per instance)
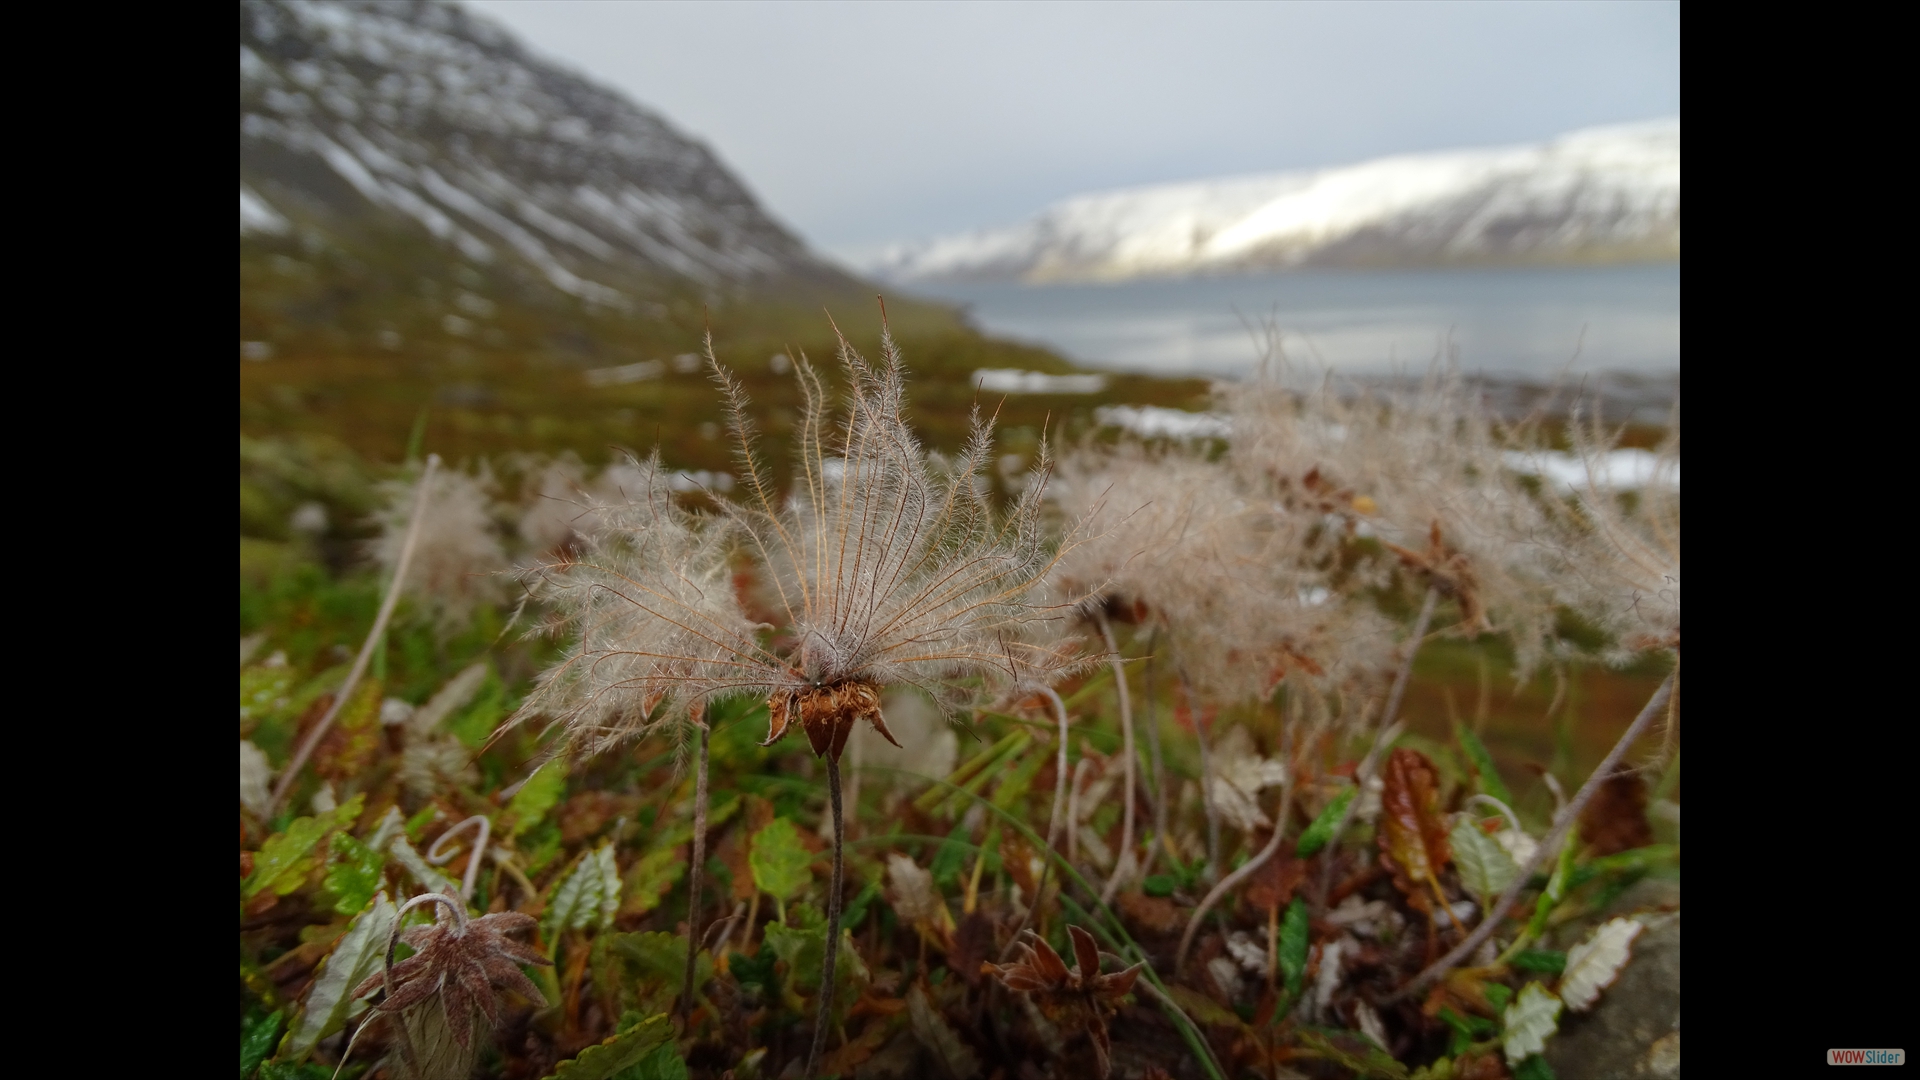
(1364, 773)
(1253, 864)
(699, 864)
(1206, 785)
(821, 1023)
(1060, 769)
(291, 774)
(1562, 825)
(1124, 860)
(1159, 770)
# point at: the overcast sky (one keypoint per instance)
(864, 123)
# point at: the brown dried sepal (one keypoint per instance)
(1413, 831)
(1076, 999)
(467, 968)
(1450, 572)
(827, 715)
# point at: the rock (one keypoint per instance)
(1634, 1029)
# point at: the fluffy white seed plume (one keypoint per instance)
(888, 563)
(552, 501)
(457, 559)
(1425, 473)
(648, 599)
(1619, 554)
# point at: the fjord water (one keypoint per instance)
(1524, 324)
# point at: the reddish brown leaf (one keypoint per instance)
(1273, 884)
(1413, 831)
(972, 942)
(1480, 1067)
(1616, 819)
(1151, 914)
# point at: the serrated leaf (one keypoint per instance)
(1321, 830)
(781, 864)
(802, 943)
(353, 873)
(257, 1039)
(1593, 964)
(1485, 867)
(939, 1038)
(286, 859)
(656, 962)
(541, 793)
(588, 897)
(1486, 776)
(663, 1063)
(430, 880)
(1532, 1017)
(1412, 831)
(1293, 947)
(360, 951)
(622, 1051)
(650, 878)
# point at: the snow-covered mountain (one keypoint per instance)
(1596, 194)
(364, 120)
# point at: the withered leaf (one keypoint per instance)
(1150, 914)
(1273, 884)
(1616, 819)
(1076, 999)
(1413, 831)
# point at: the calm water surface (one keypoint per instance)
(1526, 324)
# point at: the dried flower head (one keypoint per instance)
(457, 558)
(457, 976)
(886, 564)
(1077, 999)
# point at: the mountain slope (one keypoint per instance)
(1597, 194)
(360, 120)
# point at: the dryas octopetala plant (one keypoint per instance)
(886, 563)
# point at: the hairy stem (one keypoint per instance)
(1159, 770)
(1060, 769)
(1364, 773)
(291, 774)
(1562, 825)
(1206, 786)
(827, 965)
(1259, 860)
(694, 872)
(1124, 861)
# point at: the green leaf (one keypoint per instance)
(1365, 1060)
(353, 875)
(326, 1008)
(312, 1070)
(663, 1063)
(1532, 1017)
(538, 795)
(287, 858)
(856, 912)
(1498, 994)
(588, 897)
(1545, 961)
(1466, 1029)
(257, 1039)
(802, 943)
(1485, 867)
(1321, 830)
(781, 864)
(1486, 776)
(1204, 1009)
(490, 704)
(420, 870)
(656, 962)
(1160, 884)
(618, 1053)
(1293, 946)
(650, 878)
(1534, 1068)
